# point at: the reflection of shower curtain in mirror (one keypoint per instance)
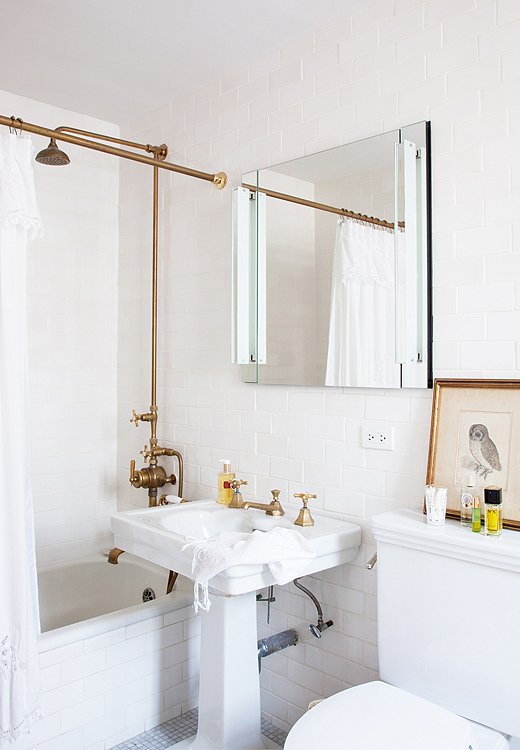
(362, 310)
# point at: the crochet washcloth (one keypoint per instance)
(285, 551)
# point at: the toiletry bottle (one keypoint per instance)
(225, 477)
(475, 515)
(493, 510)
(466, 499)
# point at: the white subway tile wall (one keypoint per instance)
(99, 691)
(72, 318)
(454, 63)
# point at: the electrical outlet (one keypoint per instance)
(377, 436)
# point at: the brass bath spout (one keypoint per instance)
(113, 555)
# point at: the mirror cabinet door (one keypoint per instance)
(331, 266)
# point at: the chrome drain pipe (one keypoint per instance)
(276, 642)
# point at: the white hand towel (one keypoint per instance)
(285, 551)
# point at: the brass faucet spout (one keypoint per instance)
(272, 509)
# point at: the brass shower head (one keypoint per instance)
(52, 155)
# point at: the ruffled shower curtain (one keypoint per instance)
(361, 349)
(19, 618)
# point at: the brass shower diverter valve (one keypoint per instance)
(150, 477)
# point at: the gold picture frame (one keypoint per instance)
(475, 427)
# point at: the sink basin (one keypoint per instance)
(159, 534)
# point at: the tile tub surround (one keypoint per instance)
(399, 61)
(114, 676)
(72, 327)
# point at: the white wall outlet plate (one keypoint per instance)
(378, 436)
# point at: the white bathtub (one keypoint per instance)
(112, 666)
(91, 587)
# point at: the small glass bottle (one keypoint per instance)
(493, 510)
(467, 493)
(476, 524)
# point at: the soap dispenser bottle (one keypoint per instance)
(225, 477)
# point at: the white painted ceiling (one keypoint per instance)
(115, 58)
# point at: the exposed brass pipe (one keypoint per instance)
(323, 207)
(153, 476)
(155, 237)
(219, 179)
(161, 152)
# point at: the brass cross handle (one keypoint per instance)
(304, 516)
(135, 418)
(145, 453)
(305, 496)
(237, 483)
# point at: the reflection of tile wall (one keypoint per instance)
(386, 67)
(72, 309)
(291, 296)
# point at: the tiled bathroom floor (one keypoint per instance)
(181, 728)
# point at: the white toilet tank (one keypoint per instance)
(449, 616)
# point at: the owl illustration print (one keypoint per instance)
(483, 450)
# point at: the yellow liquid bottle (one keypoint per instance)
(493, 511)
(225, 477)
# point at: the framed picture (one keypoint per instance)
(475, 428)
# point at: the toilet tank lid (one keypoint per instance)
(377, 715)
(407, 528)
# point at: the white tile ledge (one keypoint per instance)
(78, 631)
(409, 529)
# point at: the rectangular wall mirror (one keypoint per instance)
(331, 266)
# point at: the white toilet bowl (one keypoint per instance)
(378, 716)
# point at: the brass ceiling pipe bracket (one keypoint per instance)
(159, 152)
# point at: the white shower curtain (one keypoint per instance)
(362, 312)
(19, 620)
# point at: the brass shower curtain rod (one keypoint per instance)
(324, 207)
(157, 160)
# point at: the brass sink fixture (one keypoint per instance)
(153, 476)
(273, 508)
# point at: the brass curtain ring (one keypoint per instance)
(13, 128)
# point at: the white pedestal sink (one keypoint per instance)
(229, 692)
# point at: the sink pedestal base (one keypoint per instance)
(229, 691)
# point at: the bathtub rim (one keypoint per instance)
(120, 618)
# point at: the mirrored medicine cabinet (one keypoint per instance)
(332, 266)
